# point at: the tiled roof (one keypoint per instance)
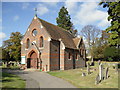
(77, 40)
(58, 33)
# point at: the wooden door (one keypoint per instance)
(34, 60)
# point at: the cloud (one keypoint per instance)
(104, 23)
(42, 9)
(25, 5)
(15, 18)
(2, 35)
(87, 13)
(52, 4)
(71, 6)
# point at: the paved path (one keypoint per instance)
(36, 79)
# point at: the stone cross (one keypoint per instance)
(35, 11)
(101, 71)
(106, 72)
(88, 68)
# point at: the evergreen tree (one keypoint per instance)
(13, 46)
(114, 17)
(63, 20)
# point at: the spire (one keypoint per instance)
(35, 12)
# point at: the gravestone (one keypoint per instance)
(83, 74)
(88, 68)
(101, 71)
(106, 72)
(92, 62)
(99, 62)
(97, 79)
(116, 67)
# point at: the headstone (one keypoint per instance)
(92, 62)
(101, 71)
(83, 74)
(97, 79)
(106, 72)
(99, 62)
(116, 67)
(88, 68)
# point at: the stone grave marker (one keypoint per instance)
(88, 68)
(116, 67)
(99, 62)
(92, 62)
(97, 79)
(83, 74)
(101, 71)
(106, 72)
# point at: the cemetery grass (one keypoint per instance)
(12, 81)
(75, 77)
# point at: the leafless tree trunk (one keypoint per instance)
(90, 33)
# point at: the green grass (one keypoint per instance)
(75, 77)
(12, 81)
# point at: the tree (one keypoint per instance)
(90, 33)
(99, 47)
(13, 46)
(4, 55)
(114, 17)
(63, 20)
(112, 53)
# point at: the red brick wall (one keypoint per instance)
(54, 55)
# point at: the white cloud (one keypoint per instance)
(2, 35)
(87, 13)
(15, 18)
(25, 5)
(71, 6)
(42, 9)
(104, 23)
(51, 3)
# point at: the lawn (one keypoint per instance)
(75, 77)
(12, 81)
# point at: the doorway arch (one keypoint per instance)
(32, 61)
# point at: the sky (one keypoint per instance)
(17, 16)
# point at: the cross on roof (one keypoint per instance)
(35, 11)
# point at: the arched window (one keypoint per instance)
(34, 32)
(28, 43)
(41, 41)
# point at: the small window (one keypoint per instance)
(76, 56)
(28, 43)
(34, 32)
(41, 41)
(69, 56)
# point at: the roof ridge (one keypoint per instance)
(57, 33)
(56, 26)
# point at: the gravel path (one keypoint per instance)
(36, 79)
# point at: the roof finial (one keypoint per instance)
(35, 12)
